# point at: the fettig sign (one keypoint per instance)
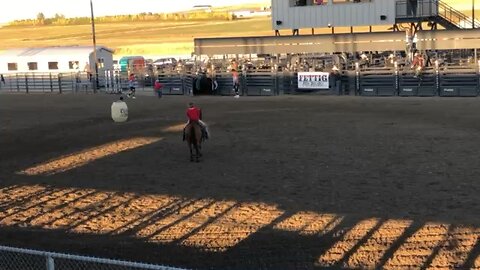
(313, 80)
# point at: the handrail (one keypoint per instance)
(435, 8)
(459, 15)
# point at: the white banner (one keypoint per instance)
(313, 80)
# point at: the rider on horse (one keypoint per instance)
(194, 114)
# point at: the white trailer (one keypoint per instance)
(56, 60)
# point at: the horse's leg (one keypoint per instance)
(191, 151)
(199, 148)
(197, 153)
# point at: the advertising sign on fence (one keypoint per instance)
(313, 80)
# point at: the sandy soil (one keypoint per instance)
(302, 182)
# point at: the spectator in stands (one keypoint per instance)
(391, 59)
(364, 60)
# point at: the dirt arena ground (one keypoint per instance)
(291, 182)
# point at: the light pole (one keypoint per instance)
(473, 13)
(94, 48)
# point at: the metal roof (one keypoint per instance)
(53, 51)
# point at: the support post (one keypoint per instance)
(94, 49)
(26, 83)
(50, 263)
(473, 14)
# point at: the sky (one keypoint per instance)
(28, 9)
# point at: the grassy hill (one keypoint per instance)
(144, 38)
(161, 37)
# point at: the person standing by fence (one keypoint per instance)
(88, 70)
(158, 88)
(131, 85)
(2, 79)
(418, 65)
(337, 80)
(236, 83)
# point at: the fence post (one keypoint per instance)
(50, 263)
(357, 78)
(242, 83)
(59, 83)
(51, 83)
(112, 79)
(16, 79)
(437, 77)
(43, 83)
(478, 74)
(26, 83)
(276, 91)
(191, 88)
(184, 82)
(397, 88)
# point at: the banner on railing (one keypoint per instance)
(313, 80)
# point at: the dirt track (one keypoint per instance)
(303, 182)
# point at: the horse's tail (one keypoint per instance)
(193, 135)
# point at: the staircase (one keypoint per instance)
(451, 18)
(433, 11)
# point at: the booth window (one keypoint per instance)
(300, 3)
(73, 65)
(32, 66)
(101, 62)
(12, 66)
(52, 65)
(350, 1)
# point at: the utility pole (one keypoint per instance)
(94, 49)
(473, 14)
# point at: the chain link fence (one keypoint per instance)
(26, 259)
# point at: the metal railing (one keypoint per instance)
(370, 81)
(423, 9)
(47, 82)
(432, 9)
(455, 17)
(27, 259)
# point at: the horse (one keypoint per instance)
(193, 136)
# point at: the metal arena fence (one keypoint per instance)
(27, 259)
(445, 81)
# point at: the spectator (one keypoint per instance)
(2, 79)
(236, 83)
(131, 85)
(418, 64)
(87, 69)
(337, 80)
(158, 88)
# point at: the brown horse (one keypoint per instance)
(193, 136)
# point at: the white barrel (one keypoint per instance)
(119, 111)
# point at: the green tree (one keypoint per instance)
(40, 18)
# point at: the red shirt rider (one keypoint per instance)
(194, 113)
